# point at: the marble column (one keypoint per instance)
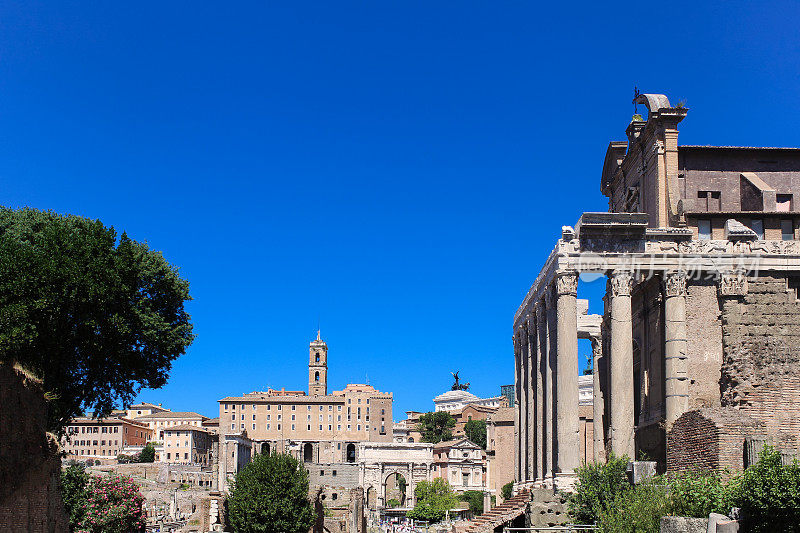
(598, 403)
(526, 401)
(675, 359)
(568, 421)
(531, 354)
(550, 368)
(541, 387)
(622, 431)
(517, 412)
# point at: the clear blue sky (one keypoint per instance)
(398, 171)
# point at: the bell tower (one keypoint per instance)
(318, 367)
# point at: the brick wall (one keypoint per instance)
(321, 474)
(711, 439)
(761, 367)
(30, 493)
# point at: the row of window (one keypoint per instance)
(94, 443)
(711, 201)
(308, 427)
(74, 430)
(232, 406)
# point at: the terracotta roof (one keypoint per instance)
(211, 421)
(504, 414)
(172, 414)
(186, 427)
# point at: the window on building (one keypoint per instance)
(293, 407)
(233, 416)
(279, 427)
(292, 427)
(709, 201)
(316, 378)
(338, 407)
(309, 427)
(316, 357)
(254, 416)
(704, 229)
(233, 406)
(783, 202)
(757, 225)
(254, 426)
(233, 426)
(787, 230)
(333, 473)
(338, 427)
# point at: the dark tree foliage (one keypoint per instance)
(507, 490)
(97, 317)
(475, 500)
(436, 426)
(270, 495)
(148, 453)
(475, 431)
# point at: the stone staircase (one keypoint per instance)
(500, 515)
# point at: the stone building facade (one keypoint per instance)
(187, 444)
(321, 430)
(103, 439)
(700, 252)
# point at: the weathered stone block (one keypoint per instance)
(680, 524)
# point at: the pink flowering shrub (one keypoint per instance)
(113, 505)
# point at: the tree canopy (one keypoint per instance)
(475, 431)
(270, 495)
(434, 499)
(95, 315)
(436, 426)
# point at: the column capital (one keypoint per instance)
(675, 284)
(733, 283)
(567, 283)
(621, 283)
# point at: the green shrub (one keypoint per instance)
(148, 453)
(507, 490)
(475, 500)
(392, 503)
(768, 494)
(636, 509)
(73, 491)
(697, 494)
(598, 485)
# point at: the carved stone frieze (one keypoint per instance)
(700, 247)
(675, 284)
(733, 284)
(621, 283)
(567, 283)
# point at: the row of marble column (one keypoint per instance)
(546, 375)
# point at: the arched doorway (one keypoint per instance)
(351, 453)
(265, 448)
(410, 439)
(394, 490)
(308, 453)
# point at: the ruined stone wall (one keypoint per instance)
(710, 439)
(322, 474)
(30, 492)
(704, 346)
(761, 367)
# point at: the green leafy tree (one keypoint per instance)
(392, 503)
(95, 315)
(148, 453)
(436, 426)
(597, 486)
(507, 490)
(113, 505)
(475, 500)
(434, 499)
(475, 431)
(74, 479)
(270, 495)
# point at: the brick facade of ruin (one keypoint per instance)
(30, 493)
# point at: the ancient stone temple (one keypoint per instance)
(697, 354)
